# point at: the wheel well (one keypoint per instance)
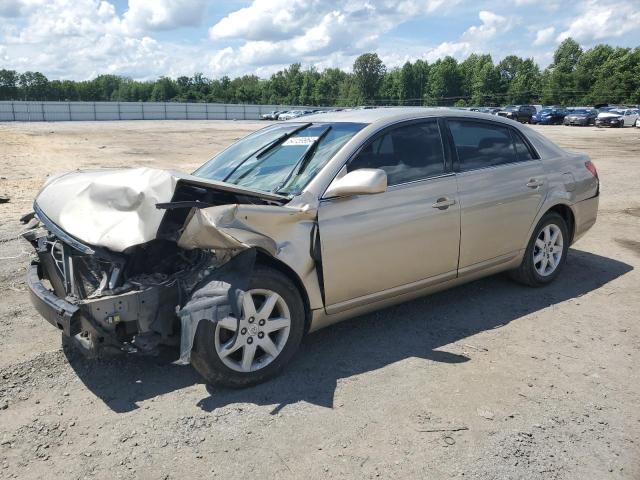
(267, 260)
(565, 212)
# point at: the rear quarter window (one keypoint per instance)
(523, 152)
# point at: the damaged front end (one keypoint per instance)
(125, 301)
(137, 292)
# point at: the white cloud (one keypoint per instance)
(82, 38)
(270, 20)
(492, 25)
(89, 39)
(476, 38)
(457, 50)
(310, 31)
(144, 15)
(603, 20)
(544, 36)
(11, 8)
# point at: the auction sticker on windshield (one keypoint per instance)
(300, 141)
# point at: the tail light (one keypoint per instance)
(592, 168)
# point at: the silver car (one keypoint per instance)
(298, 226)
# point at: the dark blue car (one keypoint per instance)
(549, 116)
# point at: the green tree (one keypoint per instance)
(589, 71)
(327, 89)
(618, 78)
(526, 83)
(480, 80)
(33, 85)
(309, 79)
(445, 82)
(559, 79)
(8, 84)
(164, 89)
(391, 91)
(368, 71)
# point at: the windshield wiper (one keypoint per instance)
(259, 153)
(304, 159)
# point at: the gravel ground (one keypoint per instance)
(488, 380)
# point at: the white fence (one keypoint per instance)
(64, 111)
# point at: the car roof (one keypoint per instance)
(394, 114)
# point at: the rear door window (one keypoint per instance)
(482, 144)
(406, 153)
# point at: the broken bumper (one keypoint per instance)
(57, 311)
(109, 321)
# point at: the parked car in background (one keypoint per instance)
(519, 113)
(581, 116)
(294, 114)
(617, 118)
(288, 115)
(273, 115)
(300, 225)
(549, 116)
(490, 110)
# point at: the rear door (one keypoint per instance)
(381, 244)
(501, 186)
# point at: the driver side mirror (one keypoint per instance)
(363, 181)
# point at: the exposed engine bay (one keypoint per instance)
(131, 296)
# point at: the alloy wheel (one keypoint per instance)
(548, 250)
(259, 336)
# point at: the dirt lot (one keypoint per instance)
(488, 380)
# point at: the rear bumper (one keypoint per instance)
(585, 215)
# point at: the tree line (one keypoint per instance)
(602, 74)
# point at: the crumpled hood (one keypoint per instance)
(116, 208)
(109, 208)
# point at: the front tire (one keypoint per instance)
(546, 252)
(241, 354)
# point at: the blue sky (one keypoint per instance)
(143, 39)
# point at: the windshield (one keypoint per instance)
(581, 111)
(510, 108)
(617, 112)
(279, 158)
(546, 111)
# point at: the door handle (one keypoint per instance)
(534, 183)
(443, 203)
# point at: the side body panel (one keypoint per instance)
(497, 209)
(321, 319)
(373, 243)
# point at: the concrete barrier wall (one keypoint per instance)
(18, 111)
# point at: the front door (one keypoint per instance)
(372, 244)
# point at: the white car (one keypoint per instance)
(620, 117)
(289, 115)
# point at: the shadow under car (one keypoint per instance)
(413, 329)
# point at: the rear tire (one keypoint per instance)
(544, 251)
(208, 351)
